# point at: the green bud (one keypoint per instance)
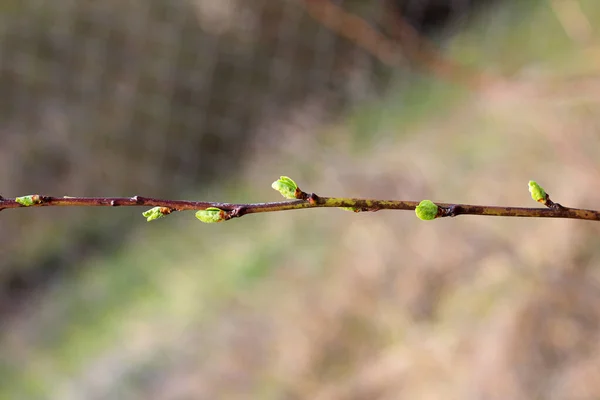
(156, 213)
(426, 210)
(286, 186)
(211, 215)
(537, 192)
(30, 200)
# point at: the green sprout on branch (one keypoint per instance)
(156, 213)
(211, 215)
(212, 212)
(427, 210)
(537, 192)
(27, 201)
(287, 187)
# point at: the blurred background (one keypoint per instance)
(450, 100)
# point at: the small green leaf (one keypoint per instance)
(156, 213)
(426, 210)
(29, 200)
(537, 192)
(287, 187)
(211, 215)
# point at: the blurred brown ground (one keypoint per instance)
(215, 100)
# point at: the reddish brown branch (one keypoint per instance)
(233, 210)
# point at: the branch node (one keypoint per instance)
(236, 212)
(451, 211)
(312, 198)
(552, 205)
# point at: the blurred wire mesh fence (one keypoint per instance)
(156, 97)
(151, 97)
(165, 98)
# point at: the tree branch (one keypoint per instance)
(217, 212)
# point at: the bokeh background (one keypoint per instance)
(450, 100)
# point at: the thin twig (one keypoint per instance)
(304, 200)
